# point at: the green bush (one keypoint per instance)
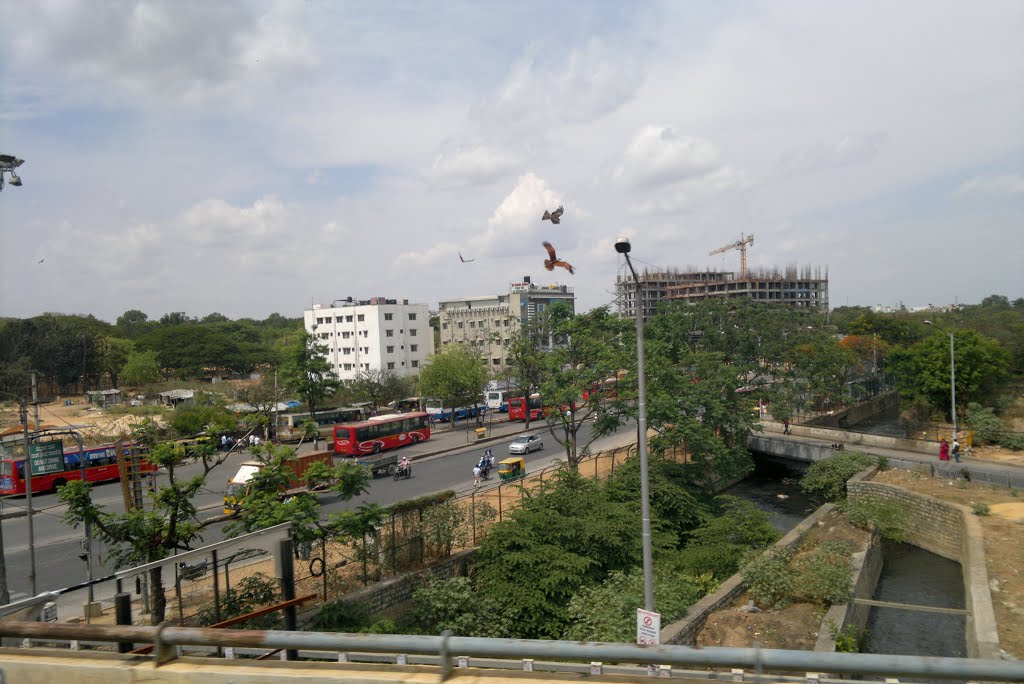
(828, 478)
(823, 575)
(769, 579)
(251, 593)
(871, 512)
(341, 616)
(981, 509)
(990, 429)
(455, 604)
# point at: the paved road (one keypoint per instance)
(443, 462)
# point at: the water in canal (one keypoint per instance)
(915, 576)
(774, 487)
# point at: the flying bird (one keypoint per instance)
(465, 261)
(553, 216)
(41, 260)
(553, 260)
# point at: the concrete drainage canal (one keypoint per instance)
(915, 577)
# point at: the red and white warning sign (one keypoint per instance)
(648, 627)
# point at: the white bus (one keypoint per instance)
(289, 425)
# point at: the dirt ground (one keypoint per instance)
(794, 627)
(96, 424)
(1004, 550)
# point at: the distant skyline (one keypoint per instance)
(255, 156)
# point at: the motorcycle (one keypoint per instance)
(403, 472)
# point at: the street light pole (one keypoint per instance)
(28, 499)
(952, 382)
(623, 247)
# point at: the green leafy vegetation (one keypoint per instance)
(872, 512)
(827, 479)
(769, 579)
(251, 593)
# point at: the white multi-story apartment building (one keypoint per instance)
(488, 322)
(373, 334)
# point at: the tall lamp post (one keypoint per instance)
(623, 247)
(952, 378)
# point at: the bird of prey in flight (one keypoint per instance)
(41, 260)
(553, 216)
(553, 260)
(465, 261)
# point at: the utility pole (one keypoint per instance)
(28, 500)
(35, 403)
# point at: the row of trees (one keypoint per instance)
(76, 353)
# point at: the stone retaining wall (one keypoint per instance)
(684, 632)
(951, 531)
(381, 597)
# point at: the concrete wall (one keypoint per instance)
(866, 567)
(856, 414)
(684, 632)
(951, 531)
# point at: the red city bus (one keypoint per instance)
(381, 433)
(517, 407)
(101, 466)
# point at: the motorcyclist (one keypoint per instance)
(486, 463)
(404, 465)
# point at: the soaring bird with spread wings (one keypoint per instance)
(553, 260)
(464, 260)
(553, 216)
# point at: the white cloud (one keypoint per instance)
(1007, 184)
(473, 164)
(659, 156)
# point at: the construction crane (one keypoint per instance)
(741, 245)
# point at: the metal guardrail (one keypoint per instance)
(446, 647)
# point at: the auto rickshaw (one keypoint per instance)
(511, 468)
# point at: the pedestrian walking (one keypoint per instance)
(943, 450)
(956, 450)
(223, 442)
(785, 426)
(476, 476)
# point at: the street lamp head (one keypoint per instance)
(15, 180)
(622, 245)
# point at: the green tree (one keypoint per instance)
(378, 386)
(145, 536)
(263, 398)
(265, 506)
(828, 478)
(586, 350)
(113, 355)
(141, 368)
(923, 370)
(538, 557)
(456, 375)
(607, 611)
(308, 373)
(453, 604)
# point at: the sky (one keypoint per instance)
(259, 156)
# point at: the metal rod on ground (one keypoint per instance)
(123, 614)
(623, 247)
(287, 574)
(216, 588)
(28, 501)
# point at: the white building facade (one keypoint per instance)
(487, 322)
(373, 334)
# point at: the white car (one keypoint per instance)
(524, 444)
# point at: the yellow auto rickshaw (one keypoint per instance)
(511, 468)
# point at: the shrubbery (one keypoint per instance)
(821, 575)
(870, 512)
(828, 478)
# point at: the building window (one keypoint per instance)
(348, 366)
(366, 366)
(361, 317)
(348, 319)
(472, 324)
(365, 350)
(412, 332)
(346, 334)
(346, 350)
(506, 322)
(364, 333)
(337, 319)
(391, 349)
(460, 325)
(324, 336)
(389, 333)
(496, 362)
(387, 316)
(444, 326)
(415, 363)
(319, 320)
(412, 317)
(414, 347)
(391, 365)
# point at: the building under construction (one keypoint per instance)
(804, 286)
